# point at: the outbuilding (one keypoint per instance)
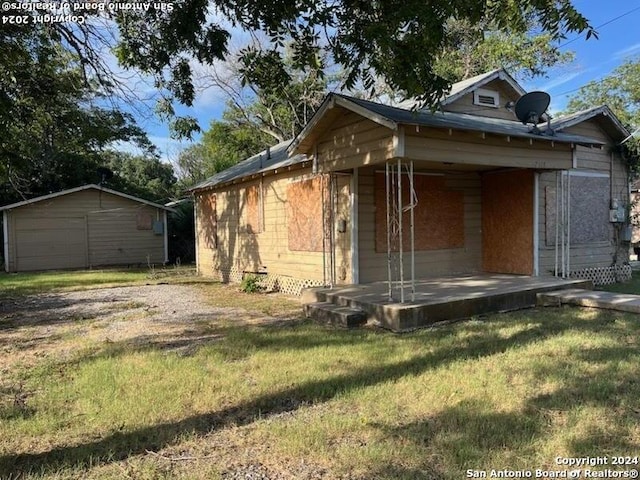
(83, 227)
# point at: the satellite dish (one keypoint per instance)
(531, 106)
(105, 174)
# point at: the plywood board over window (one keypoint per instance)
(209, 219)
(304, 214)
(438, 217)
(144, 221)
(253, 209)
(588, 212)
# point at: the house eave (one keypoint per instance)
(304, 140)
(250, 177)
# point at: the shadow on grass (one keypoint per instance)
(470, 423)
(464, 435)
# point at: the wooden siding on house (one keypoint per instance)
(470, 148)
(590, 160)
(465, 103)
(269, 249)
(82, 229)
(352, 142)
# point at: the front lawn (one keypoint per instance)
(16, 284)
(512, 391)
(632, 286)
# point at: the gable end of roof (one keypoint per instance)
(576, 118)
(91, 186)
(462, 88)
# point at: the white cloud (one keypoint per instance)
(628, 51)
(560, 80)
(168, 148)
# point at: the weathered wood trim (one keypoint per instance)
(366, 113)
(398, 142)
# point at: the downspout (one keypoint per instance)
(568, 224)
(555, 271)
(166, 238)
(197, 233)
(5, 237)
(536, 227)
(355, 264)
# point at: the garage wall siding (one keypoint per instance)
(83, 229)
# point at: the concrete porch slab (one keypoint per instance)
(442, 298)
(621, 302)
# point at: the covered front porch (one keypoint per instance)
(436, 299)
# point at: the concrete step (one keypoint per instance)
(313, 295)
(331, 314)
(621, 302)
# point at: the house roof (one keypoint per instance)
(463, 87)
(603, 113)
(292, 152)
(391, 117)
(460, 89)
(270, 159)
(79, 189)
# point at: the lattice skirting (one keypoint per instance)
(604, 275)
(271, 282)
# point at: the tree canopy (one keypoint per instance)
(54, 128)
(471, 49)
(620, 91)
(399, 41)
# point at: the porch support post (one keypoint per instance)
(355, 264)
(536, 214)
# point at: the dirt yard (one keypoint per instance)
(174, 317)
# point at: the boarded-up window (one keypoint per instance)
(304, 215)
(438, 217)
(253, 209)
(144, 221)
(208, 220)
(588, 212)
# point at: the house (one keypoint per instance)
(83, 227)
(370, 192)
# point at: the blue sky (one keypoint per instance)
(619, 40)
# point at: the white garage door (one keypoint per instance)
(50, 243)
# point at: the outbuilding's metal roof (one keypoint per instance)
(90, 186)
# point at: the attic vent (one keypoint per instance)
(486, 98)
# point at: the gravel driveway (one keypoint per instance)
(175, 317)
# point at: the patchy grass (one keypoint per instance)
(512, 391)
(632, 286)
(16, 284)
